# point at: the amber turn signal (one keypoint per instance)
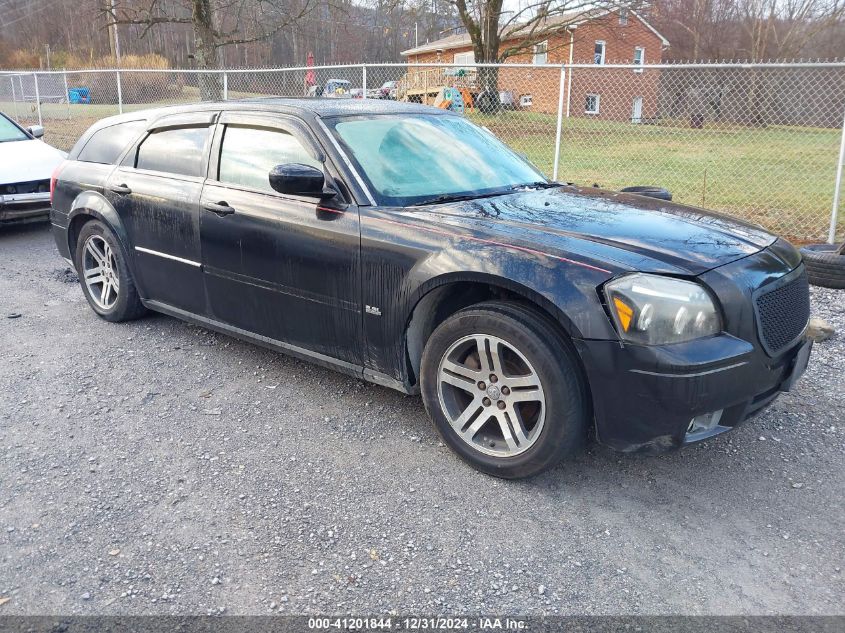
(624, 311)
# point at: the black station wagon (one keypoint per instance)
(407, 246)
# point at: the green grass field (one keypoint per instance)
(781, 177)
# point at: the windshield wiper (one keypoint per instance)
(449, 197)
(538, 184)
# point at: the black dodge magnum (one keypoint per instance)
(404, 245)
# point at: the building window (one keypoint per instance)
(592, 104)
(541, 53)
(599, 53)
(639, 58)
(623, 17)
(464, 58)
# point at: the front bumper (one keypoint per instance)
(645, 398)
(24, 207)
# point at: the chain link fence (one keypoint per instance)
(762, 142)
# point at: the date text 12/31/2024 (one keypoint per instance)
(416, 624)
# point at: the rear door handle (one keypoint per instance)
(220, 208)
(122, 190)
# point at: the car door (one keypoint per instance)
(156, 191)
(281, 266)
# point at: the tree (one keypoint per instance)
(490, 26)
(497, 34)
(783, 28)
(753, 30)
(215, 24)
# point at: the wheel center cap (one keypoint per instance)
(493, 392)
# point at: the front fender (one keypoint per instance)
(402, 263)
(565, 291)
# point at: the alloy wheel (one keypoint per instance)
(99, 270)
(491, 395)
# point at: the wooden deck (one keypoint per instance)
(423, 85)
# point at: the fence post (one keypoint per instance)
(14, 97)
(119, 93)
(66, 95)
(37, 97)
(837, 188)
(225, 86)
(364, 79)
(568, 91)
(559, 120)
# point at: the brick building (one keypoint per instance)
(595, 37)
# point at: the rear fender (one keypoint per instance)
(93, 204)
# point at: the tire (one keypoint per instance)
(825, 266)
(651, 192)
(554, 416)
(487, 102)
(97, 243)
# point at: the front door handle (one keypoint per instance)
(122, 190)
(220, 208)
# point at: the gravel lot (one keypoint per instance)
(156, 467)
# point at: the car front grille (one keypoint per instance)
(32, 186)
(783, 310)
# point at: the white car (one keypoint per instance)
(26, 165)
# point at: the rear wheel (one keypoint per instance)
(504, 389)
(104, 276)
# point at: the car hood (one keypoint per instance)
(631, 231)
(22, 161)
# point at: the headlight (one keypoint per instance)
(655, 310)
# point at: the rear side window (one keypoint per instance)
(177, 151)
(106, 145)
(248, 155)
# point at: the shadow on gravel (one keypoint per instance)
(17, 230)
(65, 275)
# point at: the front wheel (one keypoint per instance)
(504, 389)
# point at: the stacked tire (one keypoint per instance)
(825, 265)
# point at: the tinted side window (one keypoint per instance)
(248, 155)
(178, 151)
(106, 145)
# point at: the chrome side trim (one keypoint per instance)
(149, 251)
(693, 375)
(347, 162)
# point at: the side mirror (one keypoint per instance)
(299, 180)
(36, 130)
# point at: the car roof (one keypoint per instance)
(305, 107)
(325, 107)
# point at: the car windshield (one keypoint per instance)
(9, 131)
(420, 158)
